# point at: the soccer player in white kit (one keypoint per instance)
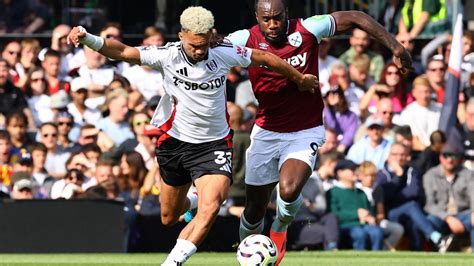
(197, 144)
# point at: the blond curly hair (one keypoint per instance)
(197, 19)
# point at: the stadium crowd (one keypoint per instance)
(75, 124)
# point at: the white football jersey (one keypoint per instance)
(194, 108)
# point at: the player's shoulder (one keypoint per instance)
(167, 47)
(239, 37)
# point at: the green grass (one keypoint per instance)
(228, 259)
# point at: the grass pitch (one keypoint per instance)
(228, 259)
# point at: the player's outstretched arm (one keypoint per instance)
(346, 20)
(306, 82)
(107, 47)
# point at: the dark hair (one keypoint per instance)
(4, 135)
(112, 25)
(52, 53)
(342, 106)
(284, 2)
(17, 116)
(400, 89)
(91, 147)
(134, 180)
(132, 116)
(27, 86)
(86, 126)
(78, 174)
(330, 156)
(404, 131)
(37, 146)
(437, 137)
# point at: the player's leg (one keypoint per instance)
(256, 202)
(298, 156)
(173, 202)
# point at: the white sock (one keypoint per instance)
(181, 252)
(286, 212)
(246, 229)
(193, 198)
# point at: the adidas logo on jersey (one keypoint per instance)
(226, 167)
(297, 60)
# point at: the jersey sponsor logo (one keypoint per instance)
(242, 51)
(182, 71)
(295, 39)
(212, 84)
(297, 60)
(212, 65)
(263, 46)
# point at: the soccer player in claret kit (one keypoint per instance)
(289, 126)
(197, 144)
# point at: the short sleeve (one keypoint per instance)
(321, 26)
(153, 56)
(234, 55)
(239, 37)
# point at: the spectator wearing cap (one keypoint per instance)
(373, 147)
(43, 181)
(59, 102)
(65, 123)
(56, 157)
(77, 108)
(338, 116)
(422, 115)
(115, 125)
(384, 111)
(51, 64)
(23, 162)
(22, 189)
(402, 193)
(37, 96)
(449, 190)
(355, 215)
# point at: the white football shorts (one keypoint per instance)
(268, 151)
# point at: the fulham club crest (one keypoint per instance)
(212, 65)
(295, 39)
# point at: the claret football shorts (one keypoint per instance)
(269, 150)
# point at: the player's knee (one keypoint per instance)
(289, 191)
(208, 213)
(168, 219)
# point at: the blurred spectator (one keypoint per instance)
(37, 96)
(97, 76)
(29, 52)
(11, 53)
(339, 78)
(65, 123)
(12, 99)
(325, 172)
(77, 108)
(402, 192)
(103, 173)
(422, 115)
(55, 158)
(373, 147)
(393, 231)
(22, 190)
(449, 190)
(429, 158)
(151, 105)
(331, 143)
(359, 42)
(313, 226)
(241, 141)
(23, 162)
(390, 14)
(161, 8)
(113, 31)
(468, 138)
(244, 94)
(12, 15)
(384, 111)
(115, 125)
(435, 72)
(51, 65)
(68, 187)
(43, 181)
(360, 82)
(93, 153)
(391, 86)
(325, 63)
(5, 163)
(153, 36)
(16, 126)
(424, 18)
(338, 116)
(409, 43)
(352, 208)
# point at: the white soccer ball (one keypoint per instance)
(257, 250)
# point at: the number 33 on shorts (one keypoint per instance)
(225, 159)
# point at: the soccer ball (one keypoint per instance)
(257, 250)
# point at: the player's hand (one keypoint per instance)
(75, 36)
(403, 61)
(309, 83)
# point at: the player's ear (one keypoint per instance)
(180, 35)
(256, 16)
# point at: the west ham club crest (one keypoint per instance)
(295, 39)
